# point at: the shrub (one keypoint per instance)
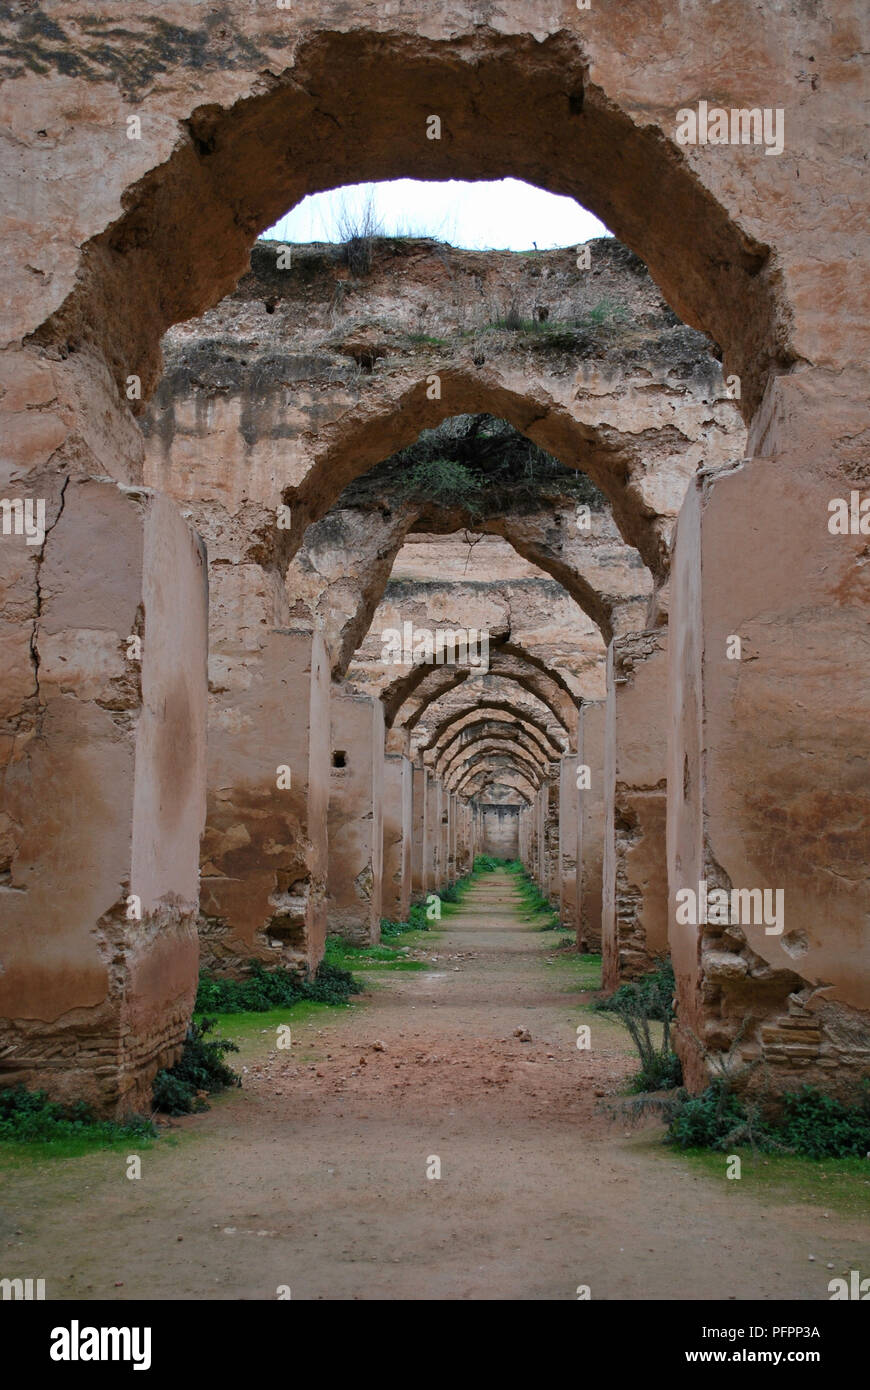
(806, 1123)
(31, 1117)
(417, 921)
(201, 1069)
(486, 863)
(822, 1127)
(445, 481)
(660, 1067)
(654, 990)
(264, 989)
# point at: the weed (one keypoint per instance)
(417, 921)
(804, 1122)
(200, 1071)
(30, 1117)
(264, 989)
(660, 1067)
(655, 990)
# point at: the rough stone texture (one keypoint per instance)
(398, 830)
(569, 839)
(356, 826)
(500, 826)
(768, 758)
(590, 849)
(420, 880)
(263, 890)
(634, 923)
(244, 110)
(312, 376)
(432, 835)
(104, 798)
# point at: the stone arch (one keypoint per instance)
(454, 724)
(346, 558)
(498, 695)
(435, 681)
(616, 461)
(484, 762)
(518, 104)
(465, 736)
(491, 742)
(498, 776)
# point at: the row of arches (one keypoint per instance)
(766, 764)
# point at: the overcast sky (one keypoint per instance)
(508, 215)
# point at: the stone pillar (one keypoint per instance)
(769, 758)
(590, 847)
(432, 850)
(104, 797)
(419, 800)
(635, 905)
(568, 841)
(553, 889)
(356, 833)
(452, 811)
(444, 840)
(542, 867)
(461, 845)
(396, 895)
(264, 853)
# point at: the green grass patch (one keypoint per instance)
(31, 1124)
(581, 971)
(263, 989)
(841, 1185)
(417, 921)
(533, 900)
(349, 957)
(249, 1029)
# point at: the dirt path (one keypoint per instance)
(314, 1175)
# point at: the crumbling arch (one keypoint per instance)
(437, 680)
(346, 602)
(353, 106)
(498, 695)
(489, 778)
(616, 461)
(454, 726)
(470, 732)
(491, 742)
(484, 764)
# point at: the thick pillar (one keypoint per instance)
(398, 830)
(432, 850)
(356, 834)
(444, 841)
(568, 840)
(104, 795)
(263, 871)
(419, 800)
(769, 759)
(553, 868)
(635, 907)
(590, 845)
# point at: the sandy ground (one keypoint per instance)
(314, 1175)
